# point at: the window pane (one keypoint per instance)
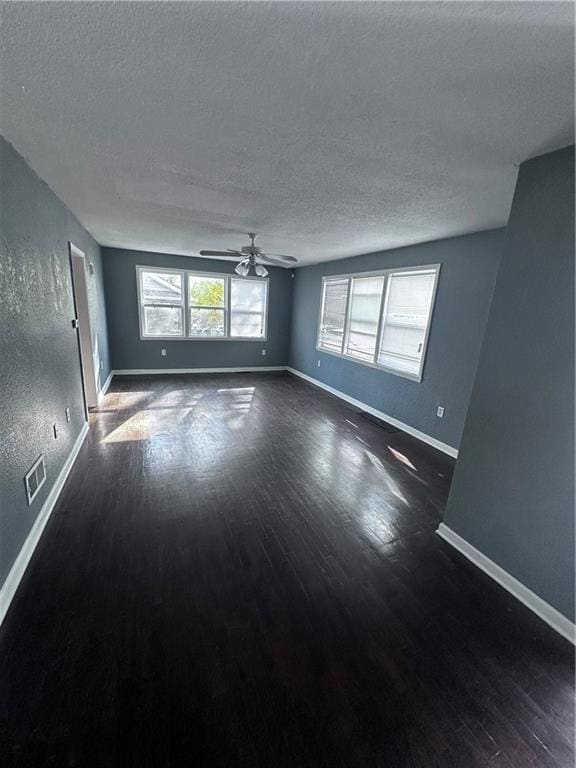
(246, 324)
(247, 307)
(161, 288)
(365, 302)
(206, 322)
(407, 309)
(333, 318)
(205, 291)
(162, 321)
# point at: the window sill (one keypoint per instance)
(204, 338)
(417, 378)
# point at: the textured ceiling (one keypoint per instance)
(332, 129)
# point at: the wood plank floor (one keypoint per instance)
(242, 572)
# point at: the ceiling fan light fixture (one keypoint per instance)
(260, 270)
(242, 269)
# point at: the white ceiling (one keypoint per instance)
(332, 129)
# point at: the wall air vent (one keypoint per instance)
(35, 478)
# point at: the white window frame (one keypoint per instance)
(149, 337)
(140, 269)
(256, 279)
(385, 273)
(225, 308)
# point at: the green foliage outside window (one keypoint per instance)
(206, 292)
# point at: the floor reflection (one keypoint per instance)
(235, 563)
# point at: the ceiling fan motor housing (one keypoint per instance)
(251, 250)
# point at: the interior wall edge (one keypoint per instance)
(104, 388)
(530, 599)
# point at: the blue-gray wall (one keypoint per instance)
(39, 362)
(512, 495)
(129, 352)
(467, 276)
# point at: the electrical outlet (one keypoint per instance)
(68, 415)
(263, 353)
(318, 363)
(55, 429)
(440, 411)
(163, 353)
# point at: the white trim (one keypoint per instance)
(380, 414)
(17, 571)
(540, 607)
(154, 371)
(105, 386)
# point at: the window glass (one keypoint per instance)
(206, 302)
(333, 316)
(162, 303)
(162, 321)
(365, 300)
(247, 308)
(407, 308)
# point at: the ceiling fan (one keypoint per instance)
(248, 255)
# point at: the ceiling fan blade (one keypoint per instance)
(270, 260)
(226, 254)
(281, 256)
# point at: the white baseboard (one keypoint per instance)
(105, 386)
(380, 414)
(154, 371)
(21, 563)
(540, 607)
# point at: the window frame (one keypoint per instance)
(257, 279)
(141, 304)
(348, 317)
(385, 273)
(227, 308)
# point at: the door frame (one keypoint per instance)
(81, 322)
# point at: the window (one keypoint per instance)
(177, 304)
(379, 319)
(334, 303)
(407, 310)
(162, 299)
(365, 301)
(248, 308)
(206, 306)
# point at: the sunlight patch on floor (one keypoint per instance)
(401, 458)
(146, 424)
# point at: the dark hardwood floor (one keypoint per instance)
(242, 572)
